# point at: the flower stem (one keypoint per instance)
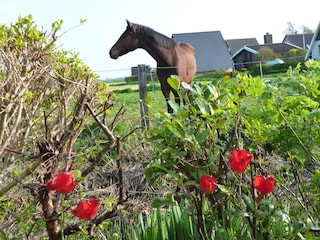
(62, 218)
(239, 186)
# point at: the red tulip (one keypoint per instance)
(62, 183)
(263, 185)
(240, 160)
(208, 183)
(86, 210)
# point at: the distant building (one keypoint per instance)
(134, 70)
(245, 56)
(314, 49)
(211, 50)
(235, 44)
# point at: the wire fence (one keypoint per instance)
(123, 72)
(139, 100)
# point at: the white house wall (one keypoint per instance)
(315, 52)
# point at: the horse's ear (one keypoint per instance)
(130, 24)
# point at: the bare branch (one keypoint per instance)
(104, 127)
(24, 174)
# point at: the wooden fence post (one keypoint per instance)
(142, 78)
(261, 70)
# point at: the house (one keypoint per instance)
(246, 56)
(235, 44)
(211, 50)
(314, 49)
(298, 40)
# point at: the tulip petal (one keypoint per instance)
(87, 209)
(240, 160)
(263, 185)
(62, 183)
(208, 183)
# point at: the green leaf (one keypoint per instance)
(148, 100)
(82, 21)
(77, 174)
(202, 136)
(174, 105)
(248, 201)
(174, 82)
(213, 91)
(2, 235)
(57, 25)
(157, 203)
(224, 189)
(148, 173)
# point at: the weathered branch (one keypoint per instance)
(120, 112)
(104, 127)
(120, 172)
(24, 174)
(98, 159)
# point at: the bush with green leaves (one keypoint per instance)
(277, 121)
(54, 119)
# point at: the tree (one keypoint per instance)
(265, 54)
(306, 29)
(290, 29)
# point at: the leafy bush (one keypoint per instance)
(49, 102)
(277, 68)
(131, 79)
(238, 160)
(276, 121)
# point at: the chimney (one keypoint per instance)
(267, 38)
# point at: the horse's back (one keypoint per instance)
(186, 62)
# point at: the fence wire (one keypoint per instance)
(214, 67)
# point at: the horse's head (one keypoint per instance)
(127, 42)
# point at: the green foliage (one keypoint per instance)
(265, 54)
(131, 79)
(46, 95)
(278, 117)
(173, 223)
(274, 69)
(150, 77)
(276, 120)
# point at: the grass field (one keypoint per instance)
(127, 94)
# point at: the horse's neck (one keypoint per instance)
(164, 56)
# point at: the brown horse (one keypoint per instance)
(172, 58)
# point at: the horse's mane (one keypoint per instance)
(159, 38)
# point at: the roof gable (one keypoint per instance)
(244, 48)
(235, 44)
(211, 50)
(276, 47)
(298, 40)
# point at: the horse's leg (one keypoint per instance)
(176, 97)
(166, 93)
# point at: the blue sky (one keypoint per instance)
(106, 21)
